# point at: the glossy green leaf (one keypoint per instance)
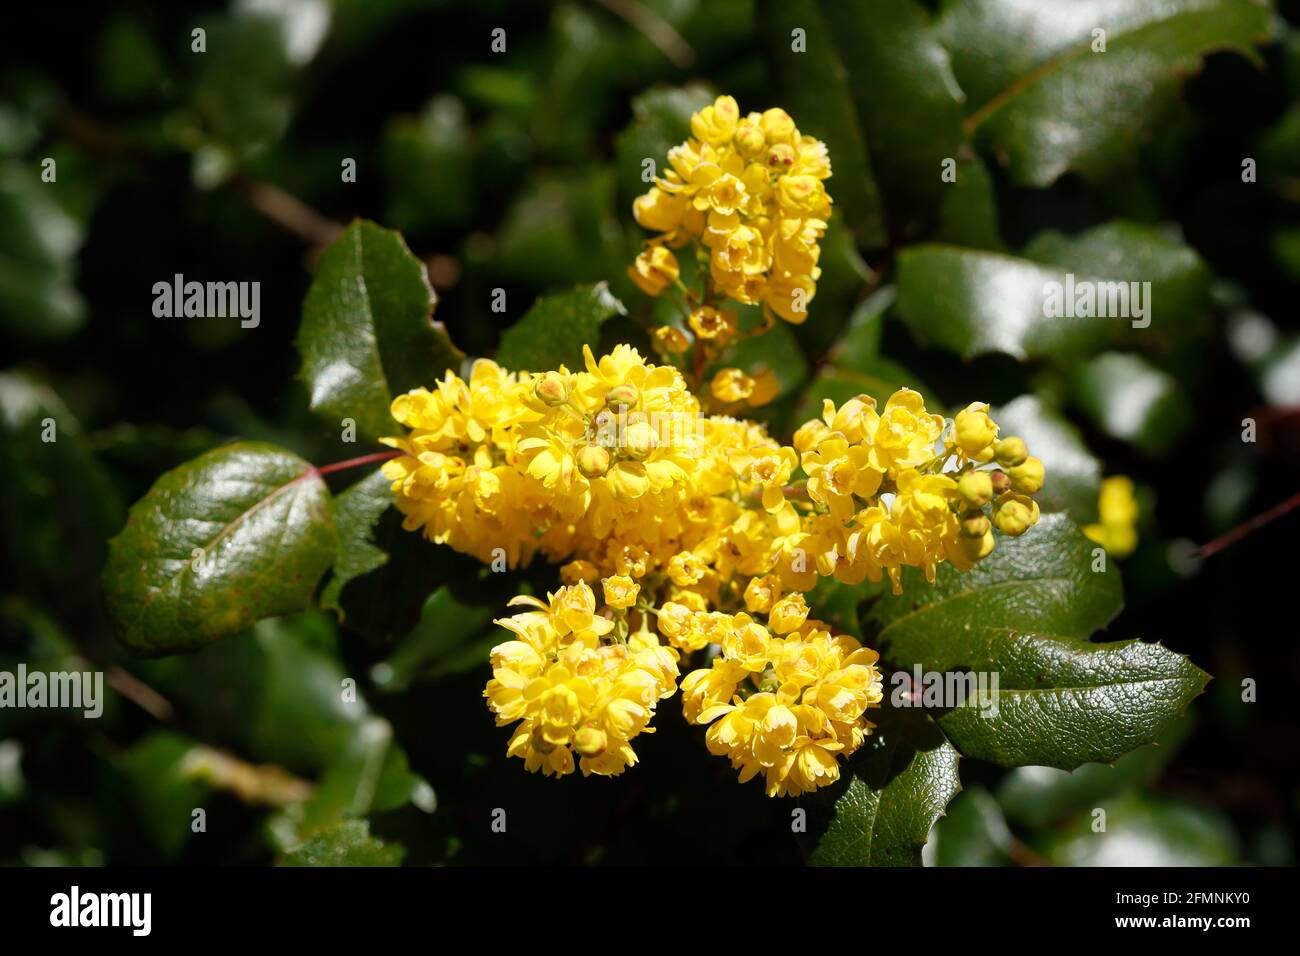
(1024, 613)
(347, 843)
(239, 533)
(356, 513)
(1045, 98)
(553, 331)
(888, 797)
(367, 334)
(817, 94)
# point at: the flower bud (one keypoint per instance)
(622, 396)
(974, 430)
(1001, 483)
(978, 548)
(671, 340)
(975, 488)
(1010, 451)
(1015, 514)
(975, 524)
(749, 138)
(1027, 478)
(551, 389)
(589, 741)
(593, 461)
(640, 440)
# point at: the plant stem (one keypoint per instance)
(355, 462)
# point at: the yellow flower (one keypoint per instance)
(731, 385)
(715, 124)
(1027, 477)
(713, 325)
(1116, 529)
(686, 569)
(788, 614)
(620, 591)
(654, 270)
(906, 434)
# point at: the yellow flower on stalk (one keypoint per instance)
(1116, 529)
(750, 190)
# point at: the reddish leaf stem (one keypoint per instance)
(355, 462)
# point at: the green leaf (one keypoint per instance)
(1073, 473)
(1023, 614)
(356, 512)
(347, 843)
(367, 333)
(1130, 399)
(888, 797)
(975, 302)
(421, 155)
(968, 215)
(1045, 103)
(556, 328)
(817, 94)
(1146, 831)
(239, 533)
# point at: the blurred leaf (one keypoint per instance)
(446, 626)
(348, 843)
(1073, 474)
(370, 775)
(1179, 303)
(59, 505)
(257, 520)
(974, 302)
(1146, 831)
(776, 349)
(356, 512)
(367, 334)
(555, 329)
(901, 82)
(1130, 399)
(889, 794)
(1039, 796)
(1045, 103)
(1024, 613)
(165, 794)
(661, 119)
(422, 157)
(971, 833)
(12, 784)
(818, 95)
(968, 215)
(877, 377)
(39, 242)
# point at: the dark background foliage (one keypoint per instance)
(517, 172)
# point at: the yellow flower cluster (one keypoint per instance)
(788, 706)
(750, 191)
(700, 526)
(571, 691)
